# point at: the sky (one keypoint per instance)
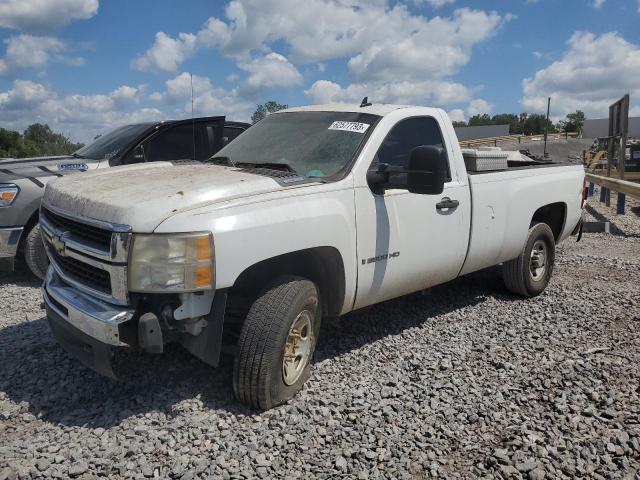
(86, 66)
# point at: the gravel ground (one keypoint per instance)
(463, 381)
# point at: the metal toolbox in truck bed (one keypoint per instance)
(484, 160)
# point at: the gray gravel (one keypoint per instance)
(463, 381)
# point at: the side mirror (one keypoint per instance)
(427, 170)
(425, 173)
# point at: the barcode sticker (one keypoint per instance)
(350, 126)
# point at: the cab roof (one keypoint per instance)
(380, 109)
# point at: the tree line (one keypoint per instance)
(528, 124)
(37, 140)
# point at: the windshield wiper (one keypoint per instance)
(77, 155)
(270, 165)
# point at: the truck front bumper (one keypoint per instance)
(84, 326)
(9, 240)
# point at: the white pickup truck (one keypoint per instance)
(311, 213)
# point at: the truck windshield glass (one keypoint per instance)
(313, 144)
(112, 143)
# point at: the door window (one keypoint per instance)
(176, 143)
(407, 135)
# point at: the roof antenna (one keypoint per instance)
(193, 121)
(365, 102)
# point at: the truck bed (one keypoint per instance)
(504, 202)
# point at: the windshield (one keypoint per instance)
(112, 144)
(313, 144)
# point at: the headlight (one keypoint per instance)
(171, 263)
(8, 193)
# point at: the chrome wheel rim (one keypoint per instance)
(538, 261)
(297, 349)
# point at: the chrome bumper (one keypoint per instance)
(95, 318)
(9, 239)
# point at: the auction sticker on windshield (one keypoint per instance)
(349, 126)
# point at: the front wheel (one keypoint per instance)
(529, 274)
(276, 343)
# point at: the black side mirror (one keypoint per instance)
(427, 170)
(425, 174)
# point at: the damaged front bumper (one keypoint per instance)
(95, 331)
(86, 327)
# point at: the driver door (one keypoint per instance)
(406, 241)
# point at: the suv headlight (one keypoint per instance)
(8, 193)
(171, 263)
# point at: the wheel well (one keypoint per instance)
(554, 215)
(321, 265)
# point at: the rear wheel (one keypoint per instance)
(276, 343)
(530, 273)
(34, 252)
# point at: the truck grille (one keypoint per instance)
(93, 277)
(88, 254)
(95, 235)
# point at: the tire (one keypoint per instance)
(529, 274)
(34, 252)
(259, 376)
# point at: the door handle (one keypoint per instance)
(446, 203)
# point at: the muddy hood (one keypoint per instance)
(142, 196)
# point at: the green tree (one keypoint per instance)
(459, 124)
(574, 122)
(477, 120)
(534, 124)
(37, 140)
(507, 119)
(265, 109)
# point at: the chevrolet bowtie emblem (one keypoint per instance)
(58, 244)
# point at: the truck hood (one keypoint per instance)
(12, 169)
(142, 196)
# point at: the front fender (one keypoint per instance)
(276, 224)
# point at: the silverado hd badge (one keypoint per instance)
(380, 258)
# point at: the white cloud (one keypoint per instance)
(371, 32)
(598, 3)
(457, 115)
(79, 116)
(593, 72)
(167, 53)
(271, 70)
(28, 51)
(479, 106)
(392, 54)
(440, 3)
(405, 92)
(44, 15)
(207, 99)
